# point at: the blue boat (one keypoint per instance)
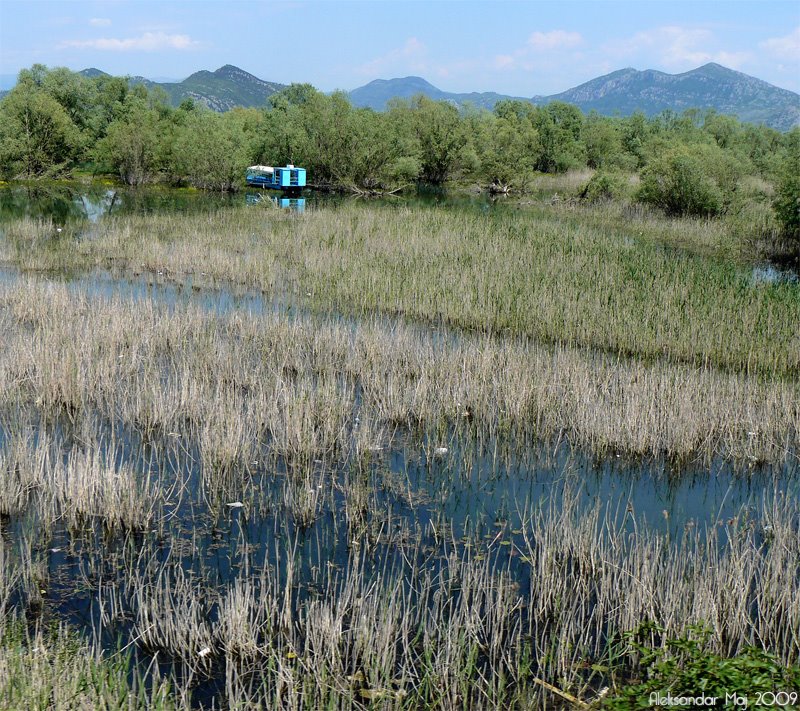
(289, 178)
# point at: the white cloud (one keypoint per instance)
(733, 60)
(410, 57)
(787, 47)
(556, 39)
(146, 42)
(677, 48)
(539, 52)
(99, 22)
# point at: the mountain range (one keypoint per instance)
(622, 92)
(220, 90)
(377, 94)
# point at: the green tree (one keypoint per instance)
(602, 139)
(37, 137)
(132, 146)
(212, 150)
(508, 147)
(559, 128)
(635, 131)
(440, 138)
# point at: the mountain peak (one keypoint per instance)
(410, 81)
(91, 73)
(711, 86)
(228, 70)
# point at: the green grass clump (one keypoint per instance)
(57, 669)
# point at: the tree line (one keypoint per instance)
(56, 121)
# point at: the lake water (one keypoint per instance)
(479, 489)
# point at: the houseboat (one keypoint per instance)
(289, 178)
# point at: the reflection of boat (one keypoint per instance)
(287, 203)
(288, 178)
(296, 204)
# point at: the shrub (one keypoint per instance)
(787, 203)
(691, 180)
(604, 186)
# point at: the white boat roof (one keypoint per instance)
(262, 168)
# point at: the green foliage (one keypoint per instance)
(132, 143)
(697, 180)
(787, 199)
(211, 150)
(37, 137)
(603, 186)
(603, 138)
(559, 128)
(687, 666)
(55, 668)
(508, 147)
(691, 163)
(437, 127)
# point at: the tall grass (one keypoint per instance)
(224, 488)
(579, 280)
(314, 389)
(465, 632)
(56, 669)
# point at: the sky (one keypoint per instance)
(518, 47)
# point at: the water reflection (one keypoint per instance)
(771, 274)
(90, 202)
(81, 202)
(294, 204)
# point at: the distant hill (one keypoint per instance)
(379, 92)
(620, 93)
(93, 73)
(220, 90)
(625, 91)
(708, 87)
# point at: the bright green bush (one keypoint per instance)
(787, 202)
(691, 180)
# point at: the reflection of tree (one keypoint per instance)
(78, 202)
(54, 201)
(97, 206)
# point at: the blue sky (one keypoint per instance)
(517, 47)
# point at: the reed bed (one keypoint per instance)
(596, 280)
(311, 389)
(56, 669)
(220, 486)
(465, 632)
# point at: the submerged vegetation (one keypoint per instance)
(163, 415)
